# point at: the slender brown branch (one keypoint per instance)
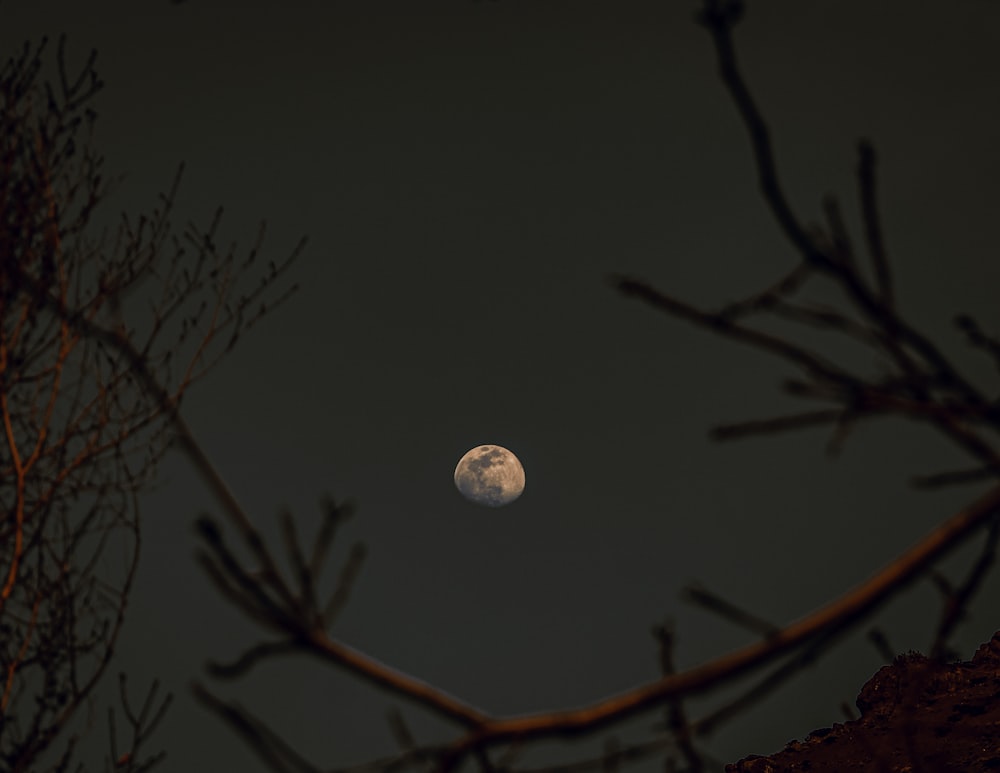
(778, 424)
(404, 685)
(953, 477)
(677, 720)
(276, 753)
(400, 730)
(977, 338)
(252, 657)
(719, 18)
(729, 611)
(957, 601)
(840, 614)
(770, 297)
(345, 583)
(293, 548)
(842, 248)
(334, 513)
(881, 644)
(718, 323)
(767, 685)
(873, 227)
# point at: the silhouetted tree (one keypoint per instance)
(88, 391)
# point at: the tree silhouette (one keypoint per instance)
(89, 386)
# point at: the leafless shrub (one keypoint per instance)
(99, 340)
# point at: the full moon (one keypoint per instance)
(490, 475)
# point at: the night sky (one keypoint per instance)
(469, 174)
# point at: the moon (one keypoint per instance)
(490, 475)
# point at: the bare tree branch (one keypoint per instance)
(957, 599)
(729, 611)
(873, 226)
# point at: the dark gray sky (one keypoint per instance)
(468, 173)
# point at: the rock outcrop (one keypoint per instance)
(917, 715)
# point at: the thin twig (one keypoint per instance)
(873, 228)
(677, 720)
(276, 753)
(777, 424)
(953, 477)
(703, 597)
(957, 602)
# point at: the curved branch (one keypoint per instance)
(839, 614)
(382, 675)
